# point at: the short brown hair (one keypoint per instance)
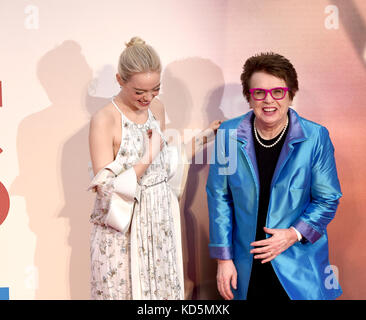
(271, 63)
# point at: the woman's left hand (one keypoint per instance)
(209, 133)
(270, 248)
(214, 125)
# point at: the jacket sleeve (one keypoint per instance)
(220, 203)
(325, 191)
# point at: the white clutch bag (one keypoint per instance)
(127, 190)
(120, 212)
(122, 200)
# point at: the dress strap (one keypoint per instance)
(156, 124)
(121, 113)
(123, 133)
(153, 120)
(151, 115)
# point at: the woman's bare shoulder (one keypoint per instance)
(104, 117)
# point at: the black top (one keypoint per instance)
(263, 280)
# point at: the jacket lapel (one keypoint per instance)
(244, 135)
(295, 135)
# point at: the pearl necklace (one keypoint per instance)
(273, 144)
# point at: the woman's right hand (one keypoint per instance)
(226, 275)
(153, 145)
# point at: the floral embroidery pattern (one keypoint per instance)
(111, 250)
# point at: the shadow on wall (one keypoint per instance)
(344, 116)
(192, 93)
(354, 25)
(53, 154)
(350, 158)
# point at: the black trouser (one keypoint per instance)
(264, 283)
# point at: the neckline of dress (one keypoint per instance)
(139, 125)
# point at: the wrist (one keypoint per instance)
(221, 261)
(296, 235)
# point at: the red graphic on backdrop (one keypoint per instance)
(4, 203)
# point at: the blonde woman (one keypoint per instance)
(130, 160)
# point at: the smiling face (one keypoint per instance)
(140, 89)
(270, 113)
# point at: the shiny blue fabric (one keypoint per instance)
(304, 194)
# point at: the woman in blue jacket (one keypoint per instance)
(272, 190)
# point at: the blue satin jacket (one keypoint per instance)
(304, 194)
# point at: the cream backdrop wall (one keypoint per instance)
(57, 66)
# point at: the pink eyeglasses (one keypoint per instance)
(260, 94)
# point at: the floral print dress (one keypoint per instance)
(155, 257)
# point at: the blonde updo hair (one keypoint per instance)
(137, 57)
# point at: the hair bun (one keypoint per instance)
(135, 41)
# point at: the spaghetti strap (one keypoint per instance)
(126, 119)
(122, 125)
(117, 107)
(151, 115)
(121, 113)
